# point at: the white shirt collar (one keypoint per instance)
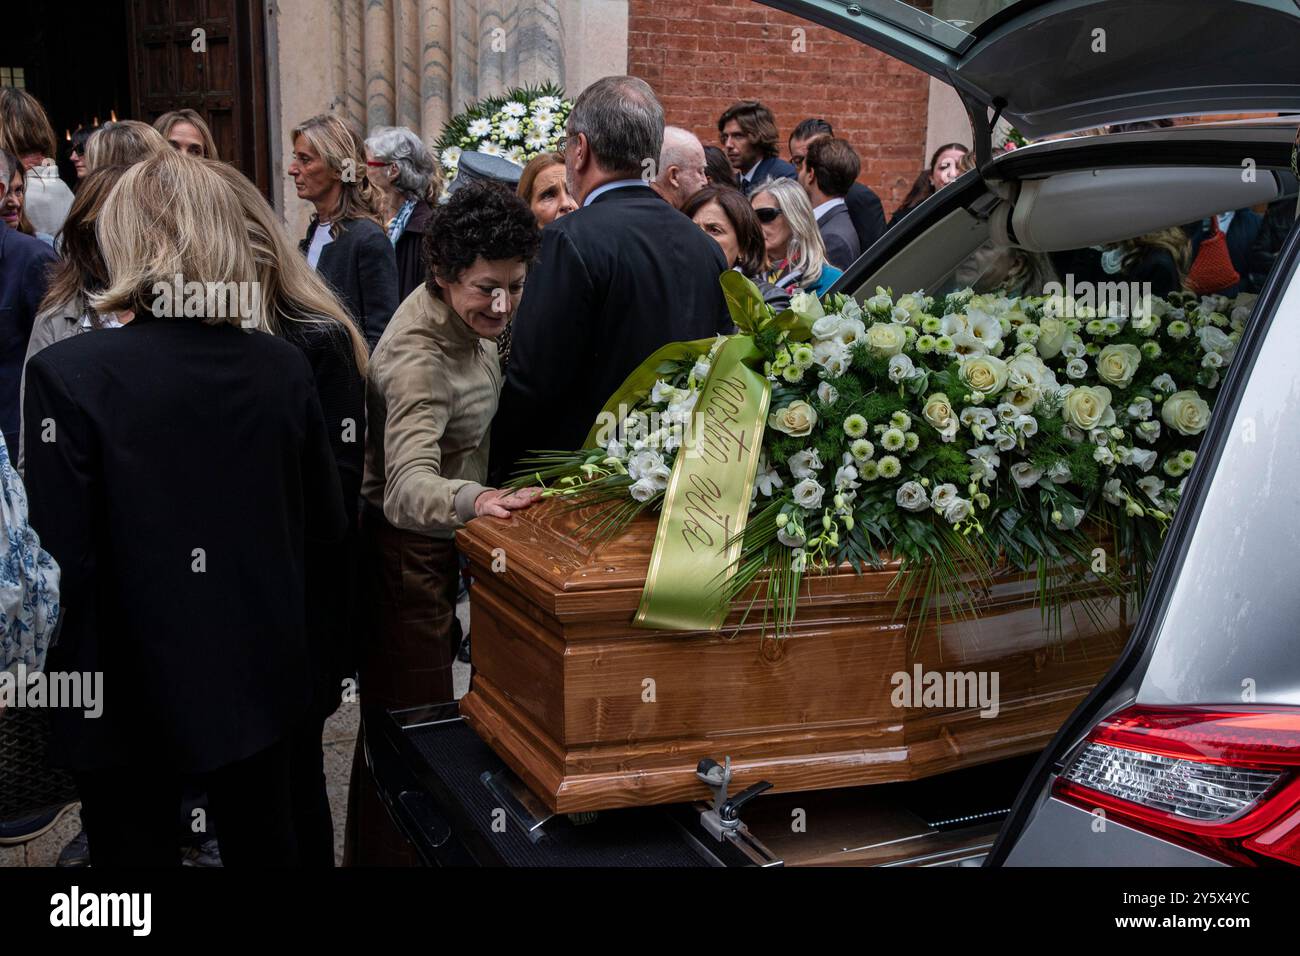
(610, 187)
(749, 176)
(827, 206)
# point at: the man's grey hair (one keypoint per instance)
(679, 147)
(623, 121)
(415, 165)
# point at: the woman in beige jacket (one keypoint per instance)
(434, 386)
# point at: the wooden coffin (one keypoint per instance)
(594, 713)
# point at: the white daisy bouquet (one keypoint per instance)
(517, 125)
(950, 433)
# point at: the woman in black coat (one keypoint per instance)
(402, 169)
(345, 243)
(186, 475)
(297, 306)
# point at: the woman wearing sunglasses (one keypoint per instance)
(795, 255)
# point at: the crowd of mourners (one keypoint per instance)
(234, 464)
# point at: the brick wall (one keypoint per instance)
(702, 55)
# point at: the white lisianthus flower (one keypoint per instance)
(900, 368)
(1076, 368)
(827, 327)
(1143, 458)
(701, 370)
(808, 494)
(1152, 486)
(1004, 439)
(1027, 425)
(1186, 413)
(958, 510)
(943, 496)
(792, 535)
(1164, 383)
(616, 449)
(831, 355)
(644, 489)
(643, 463)
(1074, 348)
(983, 418)
(1025, 474)
(1148, 431)
(828, 393)
(479, 128)
(880, 303)
(1212, 360)
(1068, 518)
(1103, 455)
(911, 496)
(804, 464)
(1140, 409)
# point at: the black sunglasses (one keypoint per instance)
(767, 214)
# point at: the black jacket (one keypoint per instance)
(24, 277)
(411, 270)
(867, 214)
(771, 167)
(332, 571)
(839, 237)
(615, 281)
(362, 268)
(189, 473)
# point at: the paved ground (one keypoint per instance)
(340, 741)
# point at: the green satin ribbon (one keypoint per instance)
(706, 505)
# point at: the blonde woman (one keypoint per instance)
(298, 306)
(796, 255)
(346, 242)
(186, 132)
(190, 474)
(123, 143)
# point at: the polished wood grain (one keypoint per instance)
(561, 690)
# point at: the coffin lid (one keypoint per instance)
(1056, 66)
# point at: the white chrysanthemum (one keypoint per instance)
(543, 117)
(480, 127)
(535, 142)
(511, 128)
(516, 155)
(515, 109)
(450, 157)
(489, 148)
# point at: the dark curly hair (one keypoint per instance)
(483, 219)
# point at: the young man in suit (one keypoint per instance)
(864, 205)
(748, 134)
(829, 169)
(622, 276)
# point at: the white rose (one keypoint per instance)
(808, 494)
(1087, 406)
(1117, 364)
(1186, 413)
(885, 338)
(1052, 335)
(985, 374)
(938, 412)
(912, 497)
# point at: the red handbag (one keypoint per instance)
(1213, 269)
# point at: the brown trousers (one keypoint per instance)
(409, 587)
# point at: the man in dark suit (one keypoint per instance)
(864, 205)
(24, 267)
(829, 169)
(749, 138)
(624, 275)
